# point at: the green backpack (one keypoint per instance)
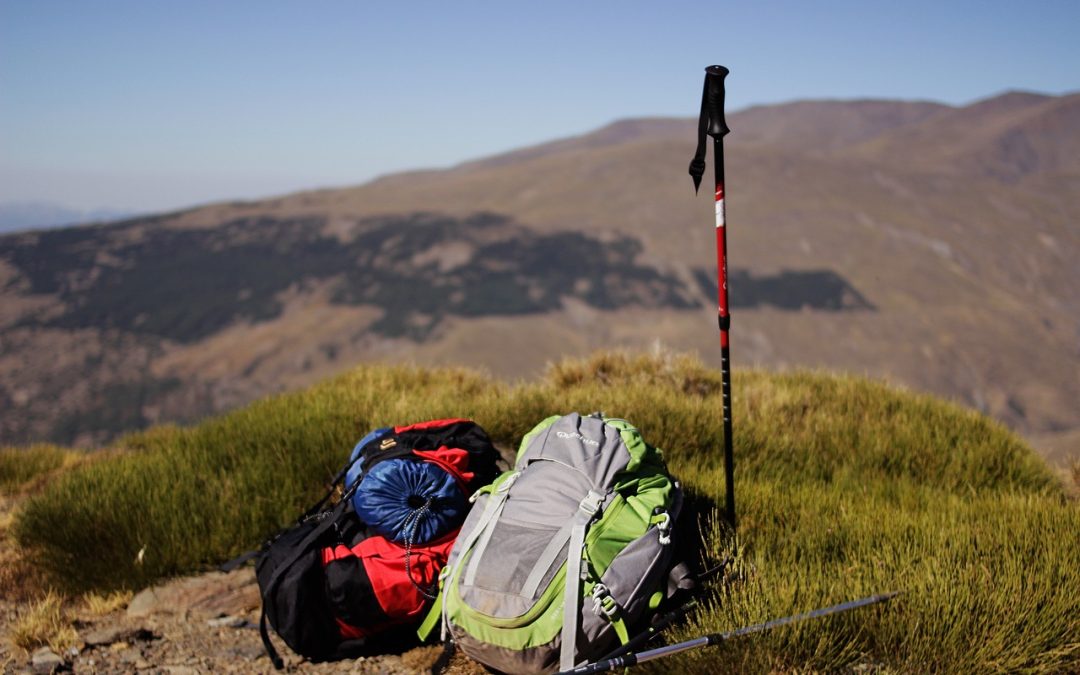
(562, 557)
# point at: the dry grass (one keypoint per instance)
(42, 623)
(100, 604)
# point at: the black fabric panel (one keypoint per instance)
(373, 452)
(296, 606)
(468, 436)
(351, 595)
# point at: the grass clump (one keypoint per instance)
(44, 623)
(99, 604)
(845, 488)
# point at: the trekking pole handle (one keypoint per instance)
(714, 101)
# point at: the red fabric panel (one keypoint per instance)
(336, 553)
(453, 461)
(430, 425)
(384, 562)
(350, 632)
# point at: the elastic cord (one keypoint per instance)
(411, 521)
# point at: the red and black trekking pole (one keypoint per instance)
(711, 123)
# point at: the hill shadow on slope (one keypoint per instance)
(789, 290)
(419, 268)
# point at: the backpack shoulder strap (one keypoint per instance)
(239, 560)
(587, 509)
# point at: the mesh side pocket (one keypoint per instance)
(511, 556)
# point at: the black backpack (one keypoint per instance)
(331, 581)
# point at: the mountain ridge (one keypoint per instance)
(870, 245)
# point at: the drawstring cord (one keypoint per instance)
(410, 523)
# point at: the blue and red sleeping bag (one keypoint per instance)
(410, 501)
(370, 563)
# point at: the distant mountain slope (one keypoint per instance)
(1007, 137)
(825, 126)
(30, 215)
(931, 245)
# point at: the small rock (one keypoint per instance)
(144, 604)
(129, 656)
(180, 670)
(104, 636)
(226, 622)
(46, 660)
(119, 637)
(209, 595)
(244, 652)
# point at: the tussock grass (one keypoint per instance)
(43, 622)
(845, 488)
(99, 604)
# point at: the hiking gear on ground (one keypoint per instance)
(331, 581)
(711, 122)
(564, 555)
(628, 660)
(417, 478)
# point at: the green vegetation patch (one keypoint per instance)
(21, 466)
(845, 488)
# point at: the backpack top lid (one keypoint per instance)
(600, 446)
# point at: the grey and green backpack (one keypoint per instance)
(563, 556)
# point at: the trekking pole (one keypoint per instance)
(711, 122)
(628, 660)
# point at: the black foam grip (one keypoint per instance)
(714, 100)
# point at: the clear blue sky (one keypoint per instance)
(151, 105)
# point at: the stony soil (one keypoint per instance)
(201, 624)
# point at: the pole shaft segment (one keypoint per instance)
(723, 316)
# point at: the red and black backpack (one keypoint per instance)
(369, 563)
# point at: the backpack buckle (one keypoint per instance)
(603, 602)
(591, 503)
(663, 527)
